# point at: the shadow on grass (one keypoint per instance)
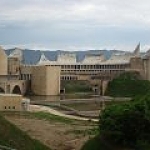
(12, 136)
(96, 144)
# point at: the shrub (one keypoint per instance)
(76, 86)
(127, 124)
(129, 85)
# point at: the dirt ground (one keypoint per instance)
(58, 136)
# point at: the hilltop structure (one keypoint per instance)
(13, 102)
(46, 76)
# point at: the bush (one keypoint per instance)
(13, 137)
(127, 124)
(128, 85)
(76, 86)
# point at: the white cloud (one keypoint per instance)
(105, 12)
(75, 24)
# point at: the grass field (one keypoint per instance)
(13, 137)
(92, 105)
(50, 117)
(57, 132)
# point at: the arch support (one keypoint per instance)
(16, 90)
(2, 90)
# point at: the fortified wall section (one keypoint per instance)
(3, 62)
(137, 64)
(147, 67)
(14, 86)
(45, 80)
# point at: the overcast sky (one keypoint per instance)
(75, 24)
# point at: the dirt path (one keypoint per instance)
(36, 108)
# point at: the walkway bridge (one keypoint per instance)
(14, 86)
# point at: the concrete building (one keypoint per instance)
(15, 77)
(3, 63)
(45, 80)
(45, 77)
(96, 66)
(13, 102)
(98, 70)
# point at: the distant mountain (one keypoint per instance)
(33, 56)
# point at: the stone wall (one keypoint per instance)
(3, 62)
(53, 80)
(13, 66)
(147, 67)
(45, 80)
(10, 102)
(137, 64)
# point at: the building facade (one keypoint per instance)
(45, 77)
(13, 102)
(45, 80)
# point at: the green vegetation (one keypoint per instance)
(76, 86)
(13, 137)
(128, 123)
(94, 105)
(77, 95)
(93, 131)
(128, 85)
(50, 117)
(85, 106)
(97, 144)
(124, 127)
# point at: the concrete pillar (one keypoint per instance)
(104, 85)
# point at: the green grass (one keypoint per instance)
(50, 117)
(91, 132)
(84, 106)
(13, 137)
(77, 95)
(96, 144)
(94, 105)
(59, 119)
(127, 85)
(76, 86)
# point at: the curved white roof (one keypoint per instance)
(66, 58)
(148, 53)
(17, 53)
(99, 59)
(45, 61)
(93, 59)
(137, 50)
(119, 59)
(70, 59)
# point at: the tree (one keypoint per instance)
(127, 124)
(128, 84)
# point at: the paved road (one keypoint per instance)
(37, 108)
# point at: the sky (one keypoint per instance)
(75, 24)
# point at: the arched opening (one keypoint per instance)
(2, 90)
(96, 89)
(16, 90)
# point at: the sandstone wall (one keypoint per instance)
(137, 64)
(3, 62)
(10, 102)
(45, 80)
